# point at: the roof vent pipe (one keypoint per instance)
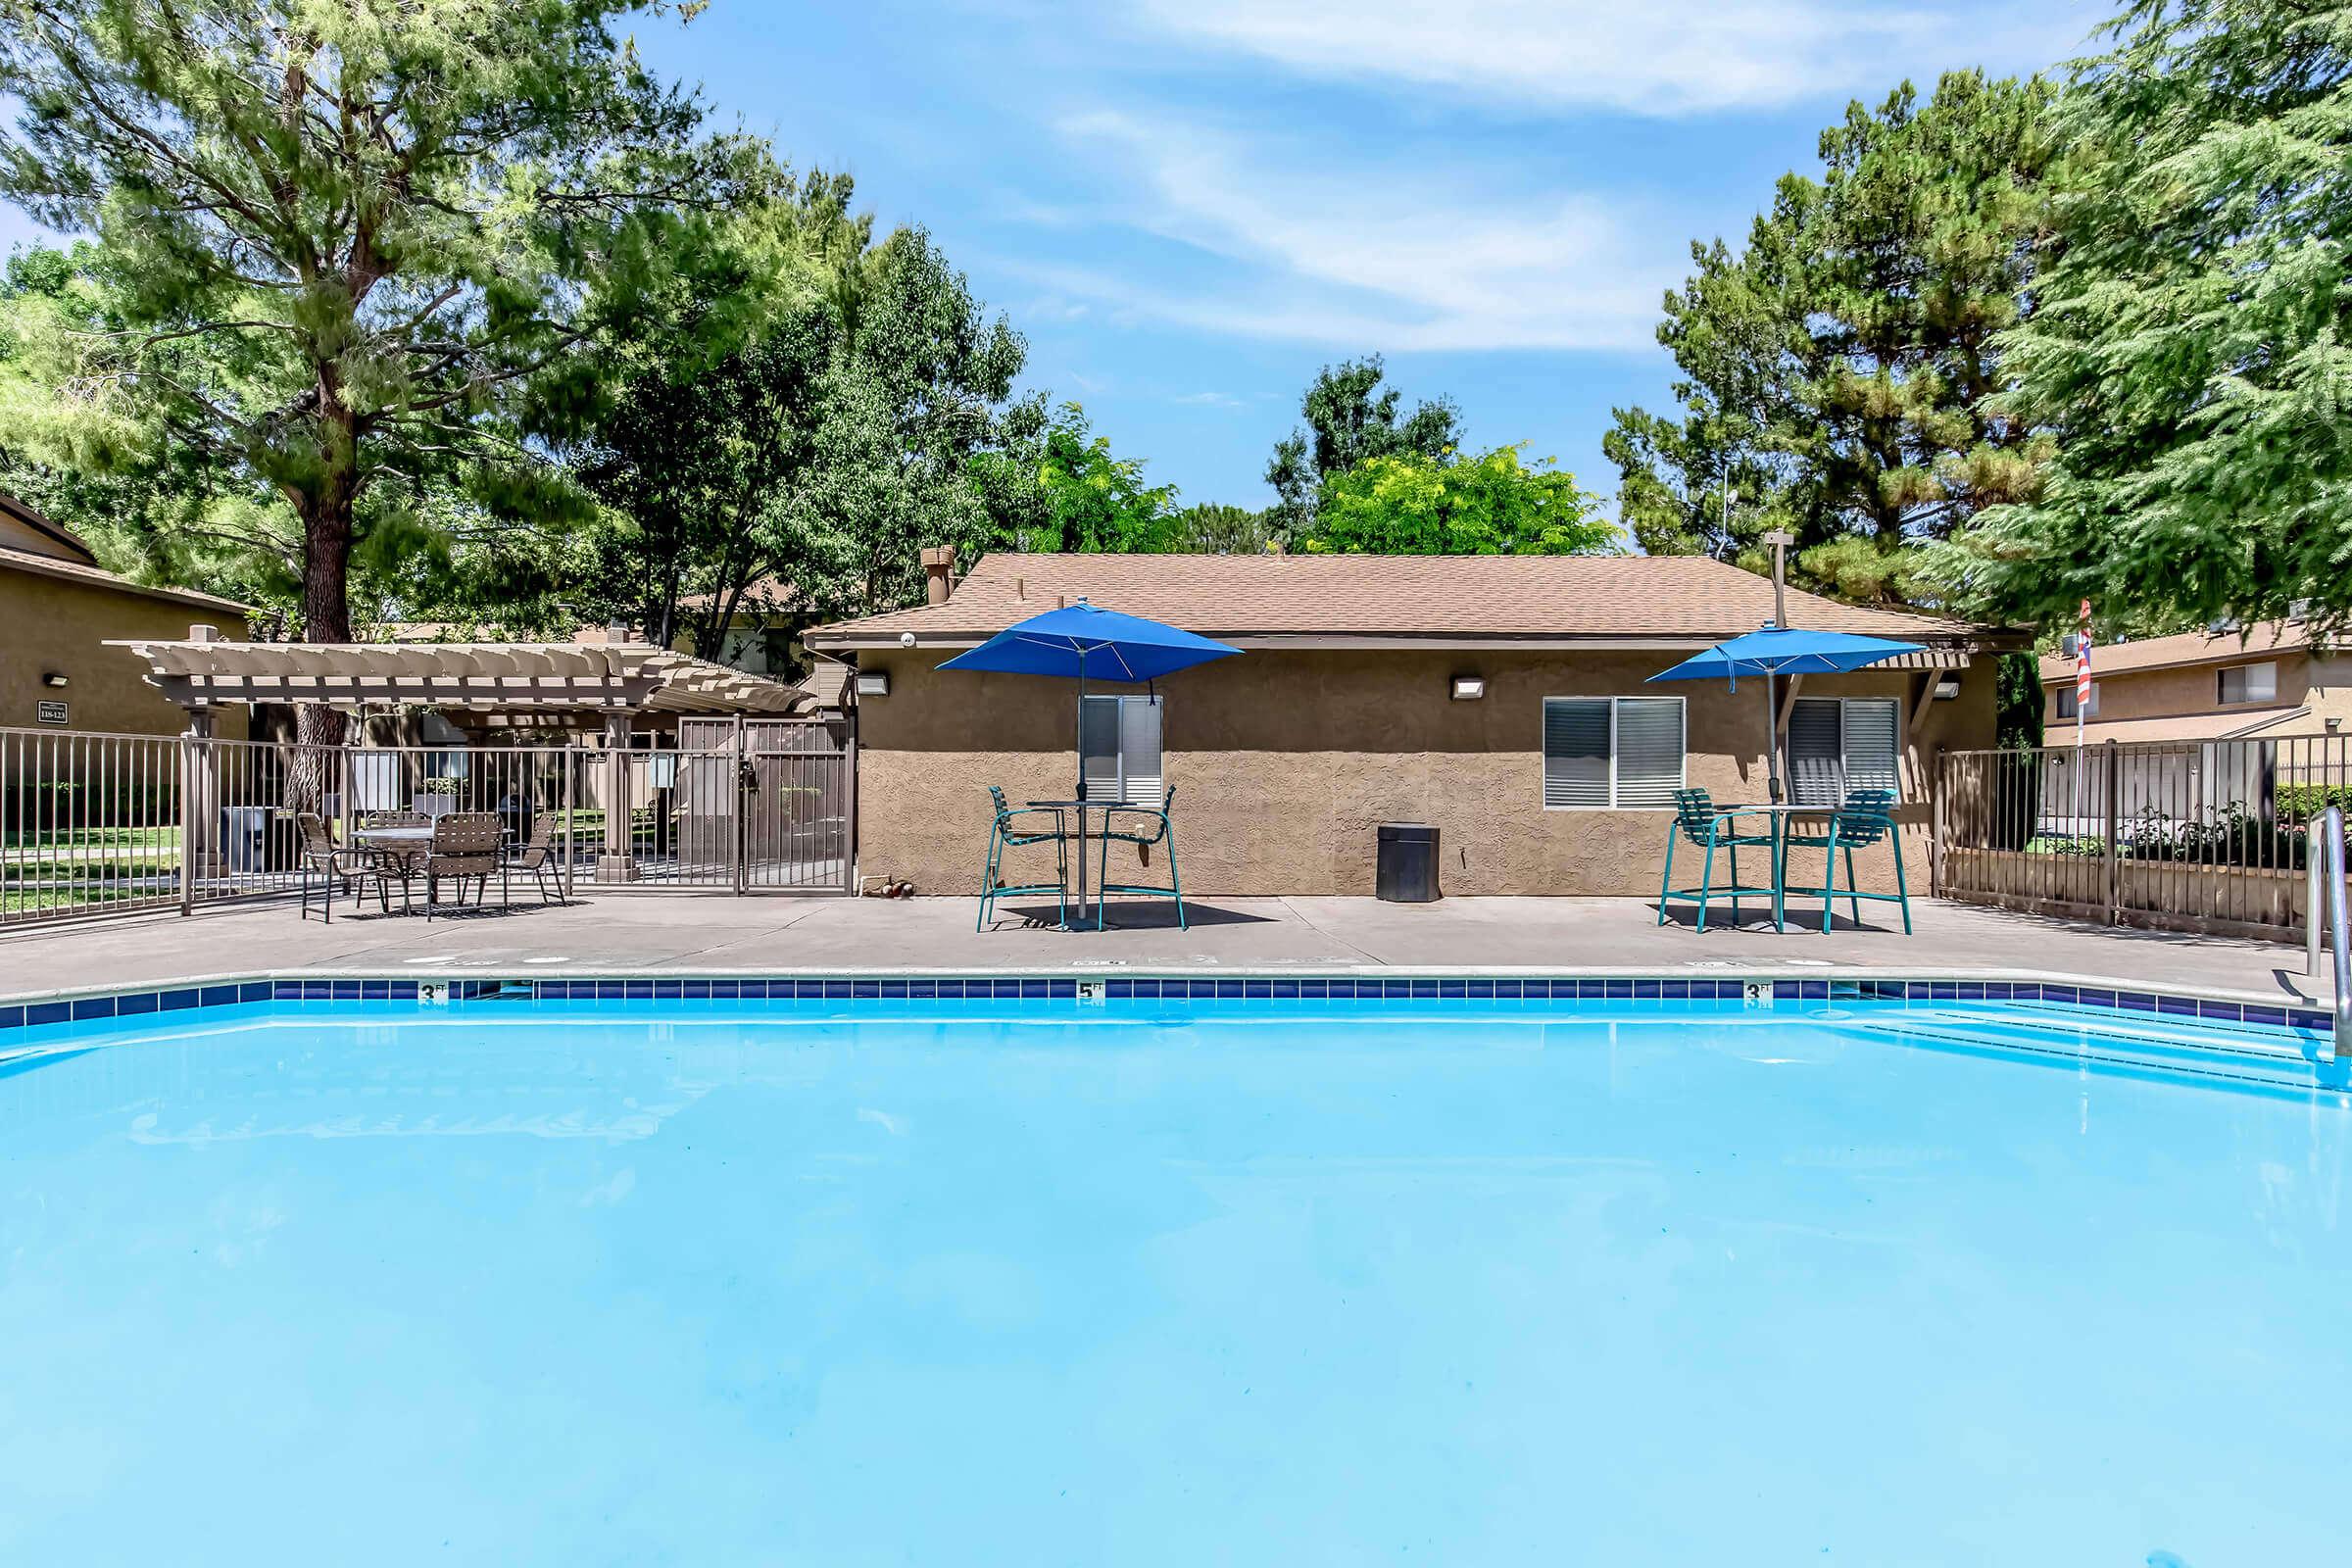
(939, 565)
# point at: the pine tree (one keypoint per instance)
(2187, 346)
(1838, 372)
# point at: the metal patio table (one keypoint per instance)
(402, 846)
(1781, 812)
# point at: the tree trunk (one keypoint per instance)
(318, 729)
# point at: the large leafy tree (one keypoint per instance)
(922, 383)
(709, 431)
(795, 461)
(163, 513)
(342, 237)
(1065, 490)
(1350, 418)
(2188, 346)
(1838, 373)
(1487, 504)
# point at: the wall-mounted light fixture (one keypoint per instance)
(52, 677)
(1469, 688)
(873, 683)
(1947, 687)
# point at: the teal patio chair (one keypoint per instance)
(1008, 831)
(1696, 820)
(1151, 827)
(1864, 818)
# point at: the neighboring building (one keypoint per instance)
(757, 637)
(59, 608)
(2272, 680)
(1348, 708)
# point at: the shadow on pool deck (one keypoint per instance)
(653, 932)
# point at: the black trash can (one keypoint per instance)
(1408, 862)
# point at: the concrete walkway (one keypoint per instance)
(652, 933)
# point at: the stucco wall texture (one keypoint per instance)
(1284, 764)
(51, 625)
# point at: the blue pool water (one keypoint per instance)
(1236, 1282)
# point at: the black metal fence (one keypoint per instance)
(2205, 836)
(96, 824)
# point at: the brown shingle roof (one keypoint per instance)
(2185, 648)
(64, 571)
(1671, 598)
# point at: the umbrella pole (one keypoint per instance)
(1772, 734)
(1081, 784)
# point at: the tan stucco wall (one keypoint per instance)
(47, 625)
(1284, 764)
(2184, 690)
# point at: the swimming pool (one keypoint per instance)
(1246, 1280)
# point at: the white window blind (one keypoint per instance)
(1623, 752)
(1650, 751)
(1576, 750)
(2250, 683)
(1119, 750)
(1874, 740)
(1839, 745)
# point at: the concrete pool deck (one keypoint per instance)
(658, 933)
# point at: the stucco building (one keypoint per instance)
(59, 608)
(2273, 680)
(1501, 699)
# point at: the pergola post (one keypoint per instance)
(616, 863)
(199, 816)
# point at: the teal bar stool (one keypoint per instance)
(1697, 820)
(1153, 827)
(1866, 817)
(1009, 832)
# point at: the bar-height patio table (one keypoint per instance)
(1782, 813)
(1082, 807)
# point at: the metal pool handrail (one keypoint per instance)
(2328, 831)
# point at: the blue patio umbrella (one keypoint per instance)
(1776, 650)
(1080, 641)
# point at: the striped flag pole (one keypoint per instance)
(2082, 703)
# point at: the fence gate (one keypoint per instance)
(765, 806)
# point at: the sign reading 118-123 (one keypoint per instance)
(50, 712)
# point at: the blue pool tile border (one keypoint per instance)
(855, 989)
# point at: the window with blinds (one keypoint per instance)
(1119, 751)
(1838, 745)
(1604, 752)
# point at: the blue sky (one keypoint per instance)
(1189, 205)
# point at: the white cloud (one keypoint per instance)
(1207, 400)
(1647, 57)
(1368, 257)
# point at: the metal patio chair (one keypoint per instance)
(465, 844)
(1153, 827)
(1864, 818)
(320, 856)
(1009, 831)
(1697, 820)
(537, 856)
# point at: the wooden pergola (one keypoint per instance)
(504, 682)
(201, 674)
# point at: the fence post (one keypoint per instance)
(1939, 782)
(848, 827)
(2113, 791)
(572, 841)
(739, 816)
